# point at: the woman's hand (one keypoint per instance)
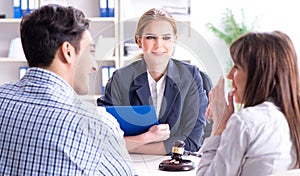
(155, 134)
(218, 110)
(158, 133)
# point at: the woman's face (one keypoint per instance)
(239, 76)
(157, 42)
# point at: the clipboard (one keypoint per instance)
(134, 120)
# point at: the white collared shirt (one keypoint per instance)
(256, 141)
(157, 90)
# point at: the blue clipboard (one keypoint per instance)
(134, 120)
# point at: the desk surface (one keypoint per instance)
(148, 165)
(294, 172)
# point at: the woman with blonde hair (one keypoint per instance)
(175, 88)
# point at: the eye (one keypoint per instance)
(167, 38)
(237, 67)
(150, 37)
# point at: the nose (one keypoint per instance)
(230, 73)
(158, 42)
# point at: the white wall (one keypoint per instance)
(270, 15)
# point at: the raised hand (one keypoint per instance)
(218, 110)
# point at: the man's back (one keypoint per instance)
(46, 129)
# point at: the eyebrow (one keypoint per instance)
(156, 34)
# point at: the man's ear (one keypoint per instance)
(138, 41)
(67, 51)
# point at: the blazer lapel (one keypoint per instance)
(140, 83)
(172, 91)
(143, 90)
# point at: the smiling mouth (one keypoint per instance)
(158, 53)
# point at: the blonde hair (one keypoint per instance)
(153, 15)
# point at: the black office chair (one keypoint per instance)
(207, 86)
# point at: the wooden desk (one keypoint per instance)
(146, 165)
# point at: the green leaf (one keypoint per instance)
(231, 28)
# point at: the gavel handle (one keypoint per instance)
(192, 153)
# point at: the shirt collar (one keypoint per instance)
(152, 81)
(42, 76)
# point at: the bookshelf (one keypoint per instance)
(109, 33)
(100, 27)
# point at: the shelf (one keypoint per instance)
(10, 20)
(6, 59)
(108, 33)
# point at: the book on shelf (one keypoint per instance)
(107, 8)
(111, 8)
(23, 7)
(17, 9)
(106, 73)
(103, 8)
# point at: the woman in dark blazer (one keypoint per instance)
(181, 100)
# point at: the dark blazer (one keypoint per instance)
(184, 103)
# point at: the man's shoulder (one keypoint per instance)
(91, 114)
(9, 90)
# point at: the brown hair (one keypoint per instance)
(46, 28)
(271, 61)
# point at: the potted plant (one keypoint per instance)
(231, 29)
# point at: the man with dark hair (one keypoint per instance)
(45, 128)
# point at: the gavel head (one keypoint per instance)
(178, 150)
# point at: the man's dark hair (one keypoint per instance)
(46, 28)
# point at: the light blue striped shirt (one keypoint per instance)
(47, 130)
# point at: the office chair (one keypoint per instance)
(207, 86)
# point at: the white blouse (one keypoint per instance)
(157, 90)
(256, 142)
